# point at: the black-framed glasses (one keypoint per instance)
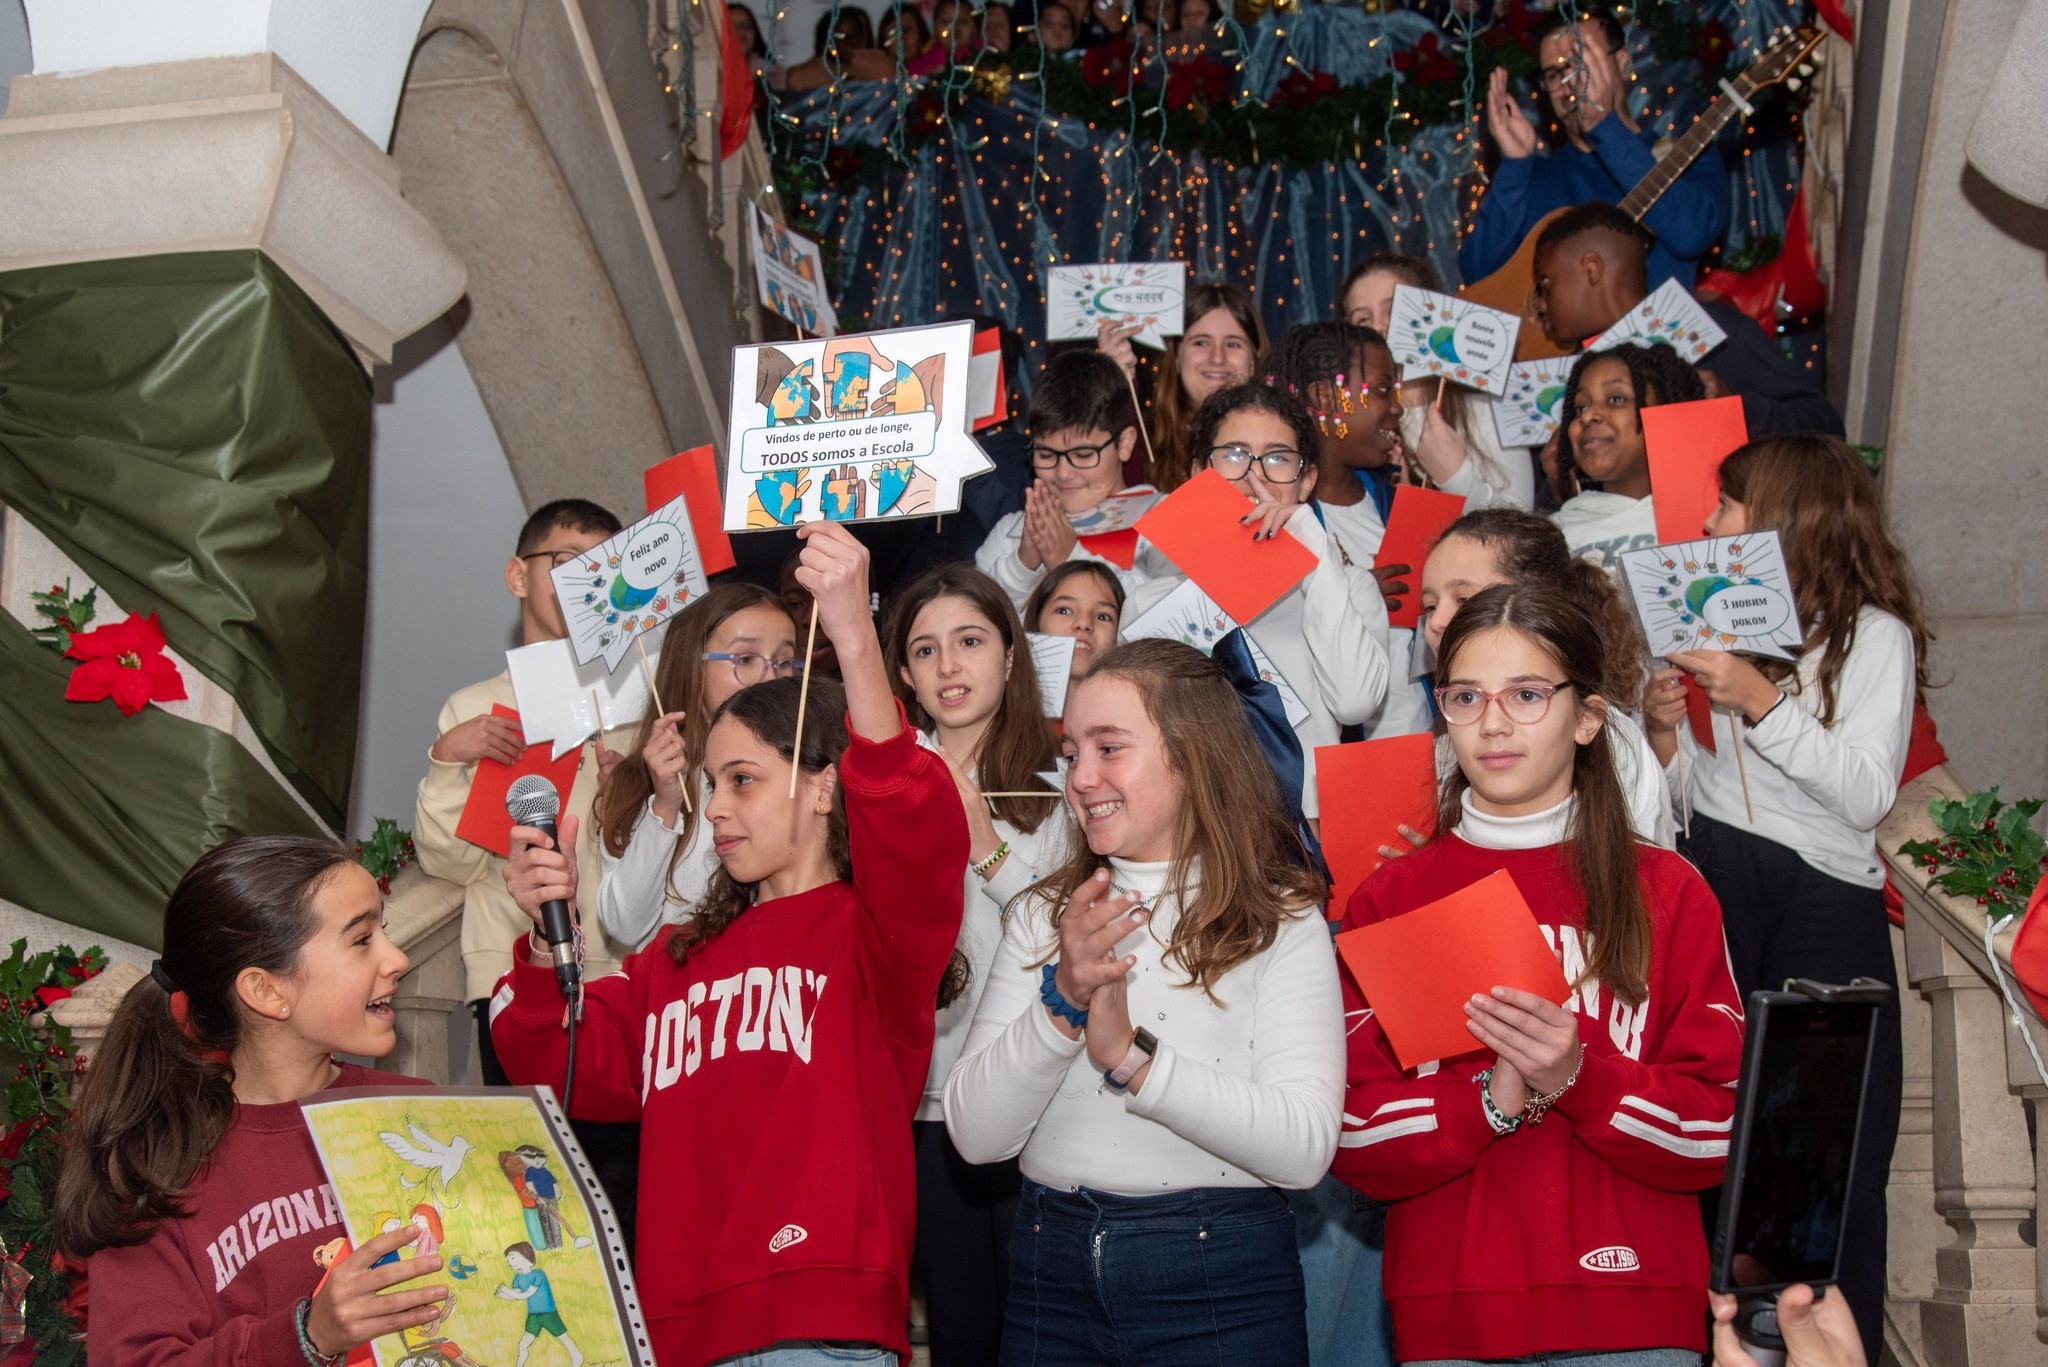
(1561, 73)
(1280, 465)
(749, 667)
(556, 559)
(1080, 457)
(1524, 703)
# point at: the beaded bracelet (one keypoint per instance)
(987, 866)
(1501, 1121)
(300, 1313)
(1058, 1005)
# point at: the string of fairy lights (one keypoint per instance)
(902, 254)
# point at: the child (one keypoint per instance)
(468, 731)
(1458, 447)
(776, 1114)
(1186, 912)
(547, 1195)
(657, 857)
(1589, 267)
(1223, 344)
(1081, 599)
(1083, 427)
(1601, 442)
(1570, 1143)
(1509, 546)
(1801, 881)
(1358, 439)
(531, 1285)
(963, 671)
(188, 1126)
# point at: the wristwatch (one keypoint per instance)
(1143, 1046)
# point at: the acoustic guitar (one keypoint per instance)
(1508, 289)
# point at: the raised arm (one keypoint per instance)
(833, 567)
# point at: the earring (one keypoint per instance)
(285, 1014)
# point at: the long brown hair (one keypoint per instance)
(1171, 411)
(1232, 824)
(679, 677)
(769, 711)
(1823, 503)
(1528, 548)
(1018, 745)
(160, 1093)
(1599, 843)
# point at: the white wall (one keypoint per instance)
(444, 515)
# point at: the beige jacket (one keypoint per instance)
(491, 920)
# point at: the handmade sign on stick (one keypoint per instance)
(1079, 298)
(1440, 335)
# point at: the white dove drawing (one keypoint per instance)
(438, 1162)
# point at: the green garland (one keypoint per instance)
(1987, 850)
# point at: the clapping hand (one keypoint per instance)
(1512, 132)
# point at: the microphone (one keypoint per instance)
(532, 801)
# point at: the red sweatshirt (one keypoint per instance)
(775, 1076)
(219, 1286)
(1582, 1233)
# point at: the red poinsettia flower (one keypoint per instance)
(1425, 63)
(49, 996)
(124, 661)
(10, 1147)
(1108, 65)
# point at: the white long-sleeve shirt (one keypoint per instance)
(635, 897)
(1328, 637)
(1247, 1093)
(997, 559)
(1405, 710)
(985, 909)
(1820, 791)
(1599, 526)
(1493, 476)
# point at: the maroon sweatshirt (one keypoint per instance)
(219, 1286)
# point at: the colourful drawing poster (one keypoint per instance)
(1720, 593)
(1670, 316)
(1435, 334)
(1080, 298)
(1191, 617)
(1532, 406)
(502, 1193)
(854, 429)
(1687, 443)
(1119, 512)
(630, 583)
(791, 275)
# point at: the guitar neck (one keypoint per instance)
(1684, 152)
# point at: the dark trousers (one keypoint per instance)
(964, 1212)
(613, 1147)
(1205, 1276)
(1786, 919)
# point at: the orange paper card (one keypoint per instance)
(1687, 443)
(1417, 971)
(1418, 519)
(484, 819)
(1197, 527)
(1369, 790)
(694, 475)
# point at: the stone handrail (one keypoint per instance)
(1968, 1272)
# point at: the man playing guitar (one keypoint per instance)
(1585, 77)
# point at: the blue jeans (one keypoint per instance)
(1208, 1275)
(1341, 1234)
(813, 1353)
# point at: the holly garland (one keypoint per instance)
(1987, 850)
(42, 1298)
(1198, 105)
(388, 850)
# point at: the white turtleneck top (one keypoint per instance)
(1245, 1091)
(1531, 832)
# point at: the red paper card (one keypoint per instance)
(1700, 712)
(1418, 519)
(1197, 527)
(1687, 443)
(694, 475)
(986, 341)
(1368, 790)
(1118, 548)
(1418, 970)
(484, 819)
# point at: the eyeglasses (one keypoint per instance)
(1524, 703)
(750, 668)
(1561, 74)
(1279, 465)
(1080, 457)
(556, 559)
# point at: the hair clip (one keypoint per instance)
(1343, 392)
(1343, 429)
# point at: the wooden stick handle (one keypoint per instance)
(1144, 436)
(803, 700)
(1741, 765)
(655, 689)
